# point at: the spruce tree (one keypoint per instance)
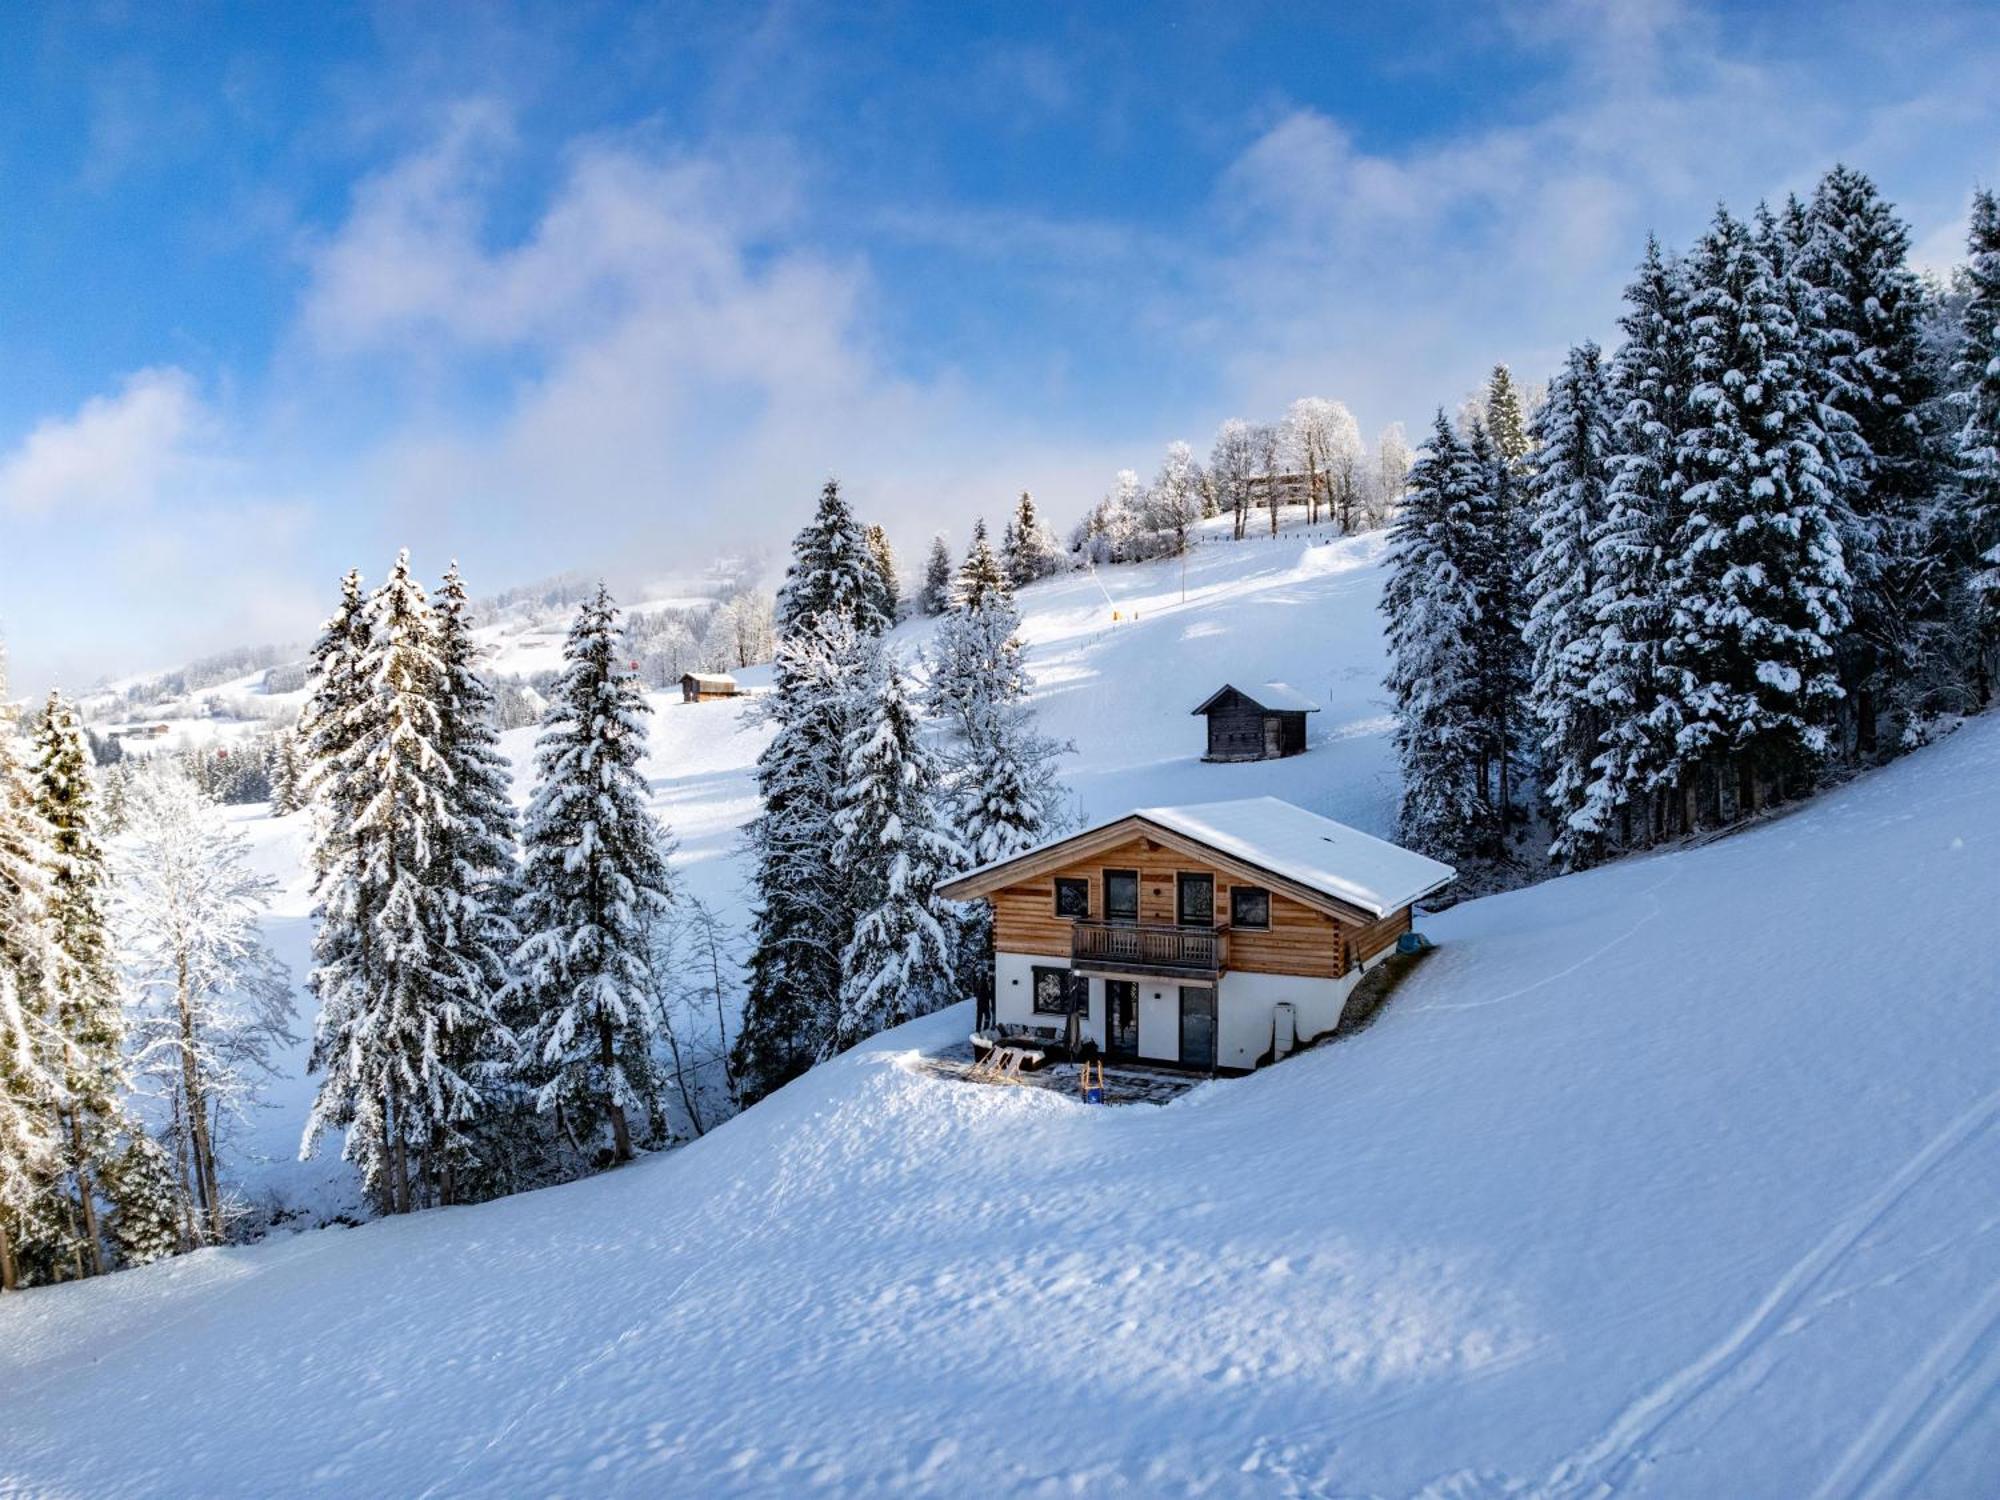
(595, 881)
(33, 1240)
(1864, 310)
(1976, 443)
(1757, 575)
(939, 571)
(981, 574)
(1500, 541)
(476, 887)
(1637, 772)
(892, 841)
(1432, 604)
(832, 572)
(409, 999)
(805, 912)
(1571, 464)
(888, 586)
(1507, 420)
(85, 1013)
(1029, 552)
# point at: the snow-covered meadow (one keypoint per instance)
(1671, 1178)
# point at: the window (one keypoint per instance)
(1121, 895)
(1056, 988)
(1072, 897)
(1195, 903)
(1249, 906)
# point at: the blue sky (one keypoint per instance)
(283, 288)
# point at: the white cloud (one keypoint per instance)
(117, 452)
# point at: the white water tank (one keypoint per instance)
(1285, 1029)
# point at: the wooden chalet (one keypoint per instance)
(700, 687)
(1268, 724)
(1216, 936)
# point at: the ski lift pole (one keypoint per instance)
(1110, 602)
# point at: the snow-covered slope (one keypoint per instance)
(1121, 690)
(1675, 1178)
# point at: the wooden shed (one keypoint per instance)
(700, 687)
(1268, 724)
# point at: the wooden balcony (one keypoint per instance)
(1142, 948)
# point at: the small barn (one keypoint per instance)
(700, 687)
(1267, 724)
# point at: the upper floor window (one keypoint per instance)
(1194, 900)
(1072, 897)
(1249, 906)
(1121, 895)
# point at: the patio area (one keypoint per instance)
(1124, 1083)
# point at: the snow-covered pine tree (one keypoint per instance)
(409, 997)
(804, 916)
(1501, 539)
(1030, 550)
(1432, 604)
(939, 572)
(332, 719)
(1507, 420)
(1000, 771)
(146, 1202)
(1884, 382)
(832, 571)
(33, 1238)
(980, 574)
(210, 1006)
(805, 911)
(1757, 577)
(476, 886)
(888, 584)
(84, 1010)
(1975, 399)
(1631, 793)
(286, 766)
(892, 843)
(595, 881)
(975, 661)
(1571, 465)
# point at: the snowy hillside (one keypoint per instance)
(1771, 1273)
(1121, 691)
(1385, 1267)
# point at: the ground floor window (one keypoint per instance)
(1055, 989)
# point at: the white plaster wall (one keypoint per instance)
(1160, 1019)
(1014, 993)
(1247, 1005)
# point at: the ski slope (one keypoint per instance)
(1675, 1178)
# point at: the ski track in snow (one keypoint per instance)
(1625, 1446)
(1953, 1382)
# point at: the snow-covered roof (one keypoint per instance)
(1314, 853)
(1309, 850)
(1280, 696)
(709, 679)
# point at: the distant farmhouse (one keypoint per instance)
(700, 687)
(1215, 937)
(1267, 725)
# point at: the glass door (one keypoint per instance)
(1121, 1017)
(1197, 1026)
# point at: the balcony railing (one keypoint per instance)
(1141, 948)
